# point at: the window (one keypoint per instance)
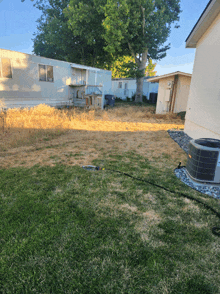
(5, 68)
(45, 73)
(120, 84)
(49, 73)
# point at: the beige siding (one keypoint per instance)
(203, 108)
(182, 94)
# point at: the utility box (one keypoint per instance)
(167, 95)
(169, 85)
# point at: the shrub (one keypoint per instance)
(118, 99)
(144, 97)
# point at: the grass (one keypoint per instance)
(64, 229)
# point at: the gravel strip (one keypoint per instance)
(182, 140)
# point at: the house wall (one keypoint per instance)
(123, 93)
(182, 93)
(202, 116)
(78, 76)
(24, 88)
(162, 106)
(152, 88)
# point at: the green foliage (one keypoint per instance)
(139, 29)
(125, 67)
(85, 22)
(55, 38)
(134, 26)
(144, 98)
(150, 69)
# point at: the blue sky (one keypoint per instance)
(18, 23)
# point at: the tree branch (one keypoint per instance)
(132, 51)
(143, 22)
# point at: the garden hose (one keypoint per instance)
(215, 230)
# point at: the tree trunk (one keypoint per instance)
(139, 90)
(141, 62)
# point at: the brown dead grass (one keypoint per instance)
(46, 136)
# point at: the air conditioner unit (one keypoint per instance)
(203, 164)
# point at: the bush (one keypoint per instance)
(145, 100)
(118, 99)
(181, 114)
(144, 97)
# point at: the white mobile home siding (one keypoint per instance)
(203, 108)
(130, 89)
(25, 89)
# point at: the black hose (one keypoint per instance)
(215, 230)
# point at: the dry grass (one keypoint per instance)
(46, 135)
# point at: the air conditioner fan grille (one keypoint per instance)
(201, 164)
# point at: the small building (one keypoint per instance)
(173, 92)
(28, 80)
(126, 87)
(203, 109)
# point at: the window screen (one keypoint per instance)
(120, 84)
(49, 73)
(42, 72)
(5, 68)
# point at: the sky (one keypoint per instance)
(18, 24)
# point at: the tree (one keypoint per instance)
(85, 21)
(98, 32)
(149, 72)
(56, 39)
(125, 67)
(139, 28)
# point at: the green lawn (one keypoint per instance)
(68, 230)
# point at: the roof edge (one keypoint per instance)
(154, 79)
(205, 20)
(72, 64)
